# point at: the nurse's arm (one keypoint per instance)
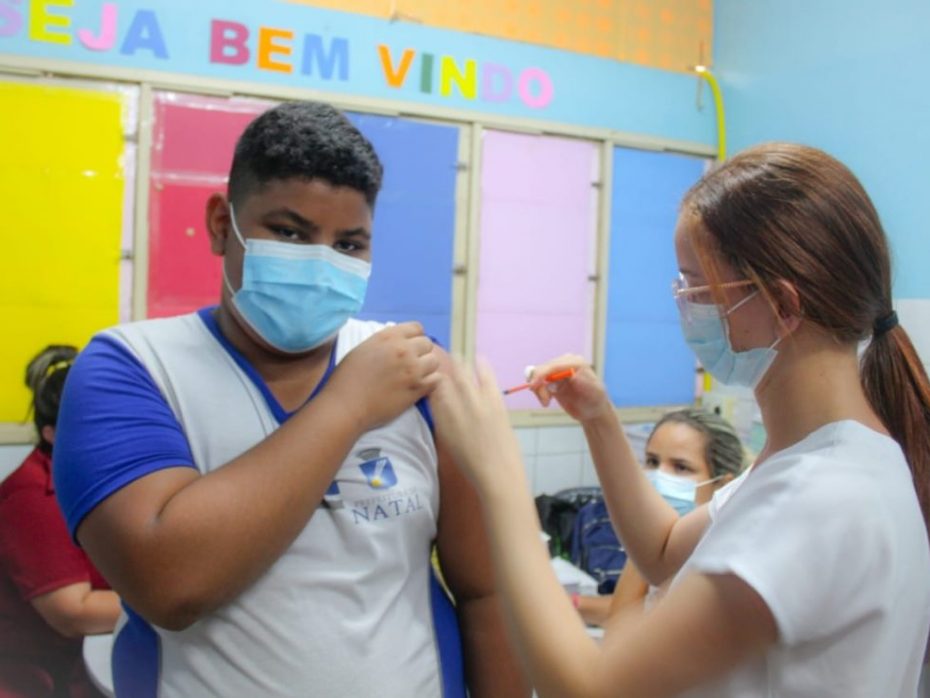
(703, 628)
(491, 666)
(655, 537)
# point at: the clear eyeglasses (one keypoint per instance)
(700, 295)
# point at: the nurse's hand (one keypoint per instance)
(583, 395)
(473, 424)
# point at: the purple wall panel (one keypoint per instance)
(537, 203)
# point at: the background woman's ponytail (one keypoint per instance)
(45, 377)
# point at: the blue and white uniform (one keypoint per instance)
(350, 609)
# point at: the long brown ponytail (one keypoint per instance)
(784, 211)
(896, 384)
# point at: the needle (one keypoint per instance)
(551, 378)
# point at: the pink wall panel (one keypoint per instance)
(538, 238)
(197, 134)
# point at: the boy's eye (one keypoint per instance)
(652, 462)
(683, 468)
(347, 246)
(284, 232)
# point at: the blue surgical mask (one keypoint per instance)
(296, 297)
(678, 491)
(706, 333)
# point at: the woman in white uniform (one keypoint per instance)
(814, 579)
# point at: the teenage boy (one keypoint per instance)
(259, 480)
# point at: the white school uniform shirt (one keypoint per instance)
(829, 533)
(351, 608)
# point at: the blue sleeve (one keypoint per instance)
(114, 426)
(423, 403)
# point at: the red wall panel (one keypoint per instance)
(192, 147)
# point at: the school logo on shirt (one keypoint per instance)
(332, 498)
(375, 472)
(389, 501)
(378, 470)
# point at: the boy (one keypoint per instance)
(259, 480)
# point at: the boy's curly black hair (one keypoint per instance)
(304, 140)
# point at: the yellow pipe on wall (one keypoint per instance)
(703, 72)
(718, 107)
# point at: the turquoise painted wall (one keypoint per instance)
(337, 52)
(851, 77)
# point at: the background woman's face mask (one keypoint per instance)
(296, 297)
(678, 491)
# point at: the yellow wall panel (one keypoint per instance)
(669, 34)
(62, 179)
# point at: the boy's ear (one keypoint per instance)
(219, 223)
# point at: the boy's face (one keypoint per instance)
(298, 211)
(293, 211)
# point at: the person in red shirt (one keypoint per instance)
(50, 593)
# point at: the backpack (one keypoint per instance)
(557, 513)
(595, 547)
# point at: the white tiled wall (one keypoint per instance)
(557, 458)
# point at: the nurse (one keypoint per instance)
(810, 574)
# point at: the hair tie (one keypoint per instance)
(884, 324)
(57, 366)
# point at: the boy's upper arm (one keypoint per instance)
(114, 427)
(462, 543)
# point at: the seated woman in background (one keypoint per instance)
(690, 454)
(50, 593)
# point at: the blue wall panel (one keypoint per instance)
(647, 361)
(414, 223)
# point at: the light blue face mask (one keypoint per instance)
(706, 333)
(678, 491)
(296, 297)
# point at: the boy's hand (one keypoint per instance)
(386, 374)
